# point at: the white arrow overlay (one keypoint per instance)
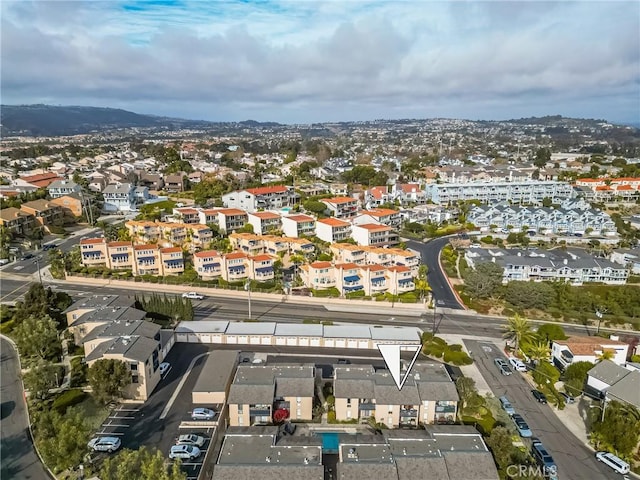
(391, 355)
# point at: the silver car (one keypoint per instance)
(203, 414)
(105, 444)
(184, 451)
(191, 439)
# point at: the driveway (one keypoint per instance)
(440, 288)
(574, 460)
(19, 458)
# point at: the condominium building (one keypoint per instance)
(17, 221)
(333, 230)
(348, 278)
(253, 244)
(372, 234)
(573, 266)
(318, 275)
(60, 188)
(265, 222)
(230, 219)
(207, 264)
(531, 192)
(234, 267)
(187, 215)
(428, 396)
(297, 226)
(400, 280)
(260, 268)
(119, 197)
(45, 212)
(344, 208)
(263, 394)
(261, 198)
(147, 260)
(382, 216)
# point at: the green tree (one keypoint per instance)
(484, 281)
(529, 294)
(550, 332)
(39, 302)
(543, 155)
(141, 464)
(314, 206)
(38, 337)
(546, 374)
(547, 202)
(40, 379)
(606, 355)
(620, 430)
(501, 445)
(517, 330)
(537, 351)
(56, 261)
(466, 387)
(575, 376)
(62, 440)
(108, 378)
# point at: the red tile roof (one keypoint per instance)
(42, 179)
(321, 264)
(235, 255)
(232, 211)
(261, 258)
(91, 241)
(372, 227)
(346, 266)
(337, 200)
(266, 190)
(170, 250)
(206, 254)
(334, 222)
(300, 218)
(119, 244)
(265, 215)
(148, 246)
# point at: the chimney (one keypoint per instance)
(565, 261)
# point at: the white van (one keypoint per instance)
(517, 364)
(614, 462)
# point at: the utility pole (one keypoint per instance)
(434, 313)
(37, 263)
(600, 311)
(247, 287)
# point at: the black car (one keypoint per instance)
(27, 256)
(539, 396)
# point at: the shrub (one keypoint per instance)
(358, 294)
(456, 347)
(331, 417)
(457, 358)
(78, 372)
(68, 399)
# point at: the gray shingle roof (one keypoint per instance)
(348, 388)
(436, 391)
(608, 372)
(217, 371)
(627, 389)
(241, 394)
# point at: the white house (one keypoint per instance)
(261, 198)
(297, 226)
(587, 349)
(60, 188)
(373, 234)
(119, 197)
(333, 230)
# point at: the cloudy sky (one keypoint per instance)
(305, 60)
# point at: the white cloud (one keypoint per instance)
(309, 61)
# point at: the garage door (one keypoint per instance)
(182, 337)
(363, 343)
(193, 338)
(281, 341)
(253, 340)
(352, 344)
(243, 339)
(265, 341)
(232, 339)
(217, 339)
(341, 343)
(205, 338)
(329, 342)
(315, 342)
(303, 342)
(292, 341)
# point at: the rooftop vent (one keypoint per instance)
(268, 459)
(306, 461)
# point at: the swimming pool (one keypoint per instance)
(330, 441)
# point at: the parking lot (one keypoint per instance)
(192, 467)
(116, 425)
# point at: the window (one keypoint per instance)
(133, 367)
(240, 420)
(134, 379)
(240, 409)
(348, 401)
(298, 413)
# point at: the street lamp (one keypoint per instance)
(37, 264)
(599, 313)
(601, 407)
(247, 287)
(433, 299)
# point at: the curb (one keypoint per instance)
(453, 290)
(26, 408)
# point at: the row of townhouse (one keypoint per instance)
(541, 219)
(428, 396)
(350, 277)
(169, 234)
(31, 216)
(253, 244)
(149, 259)
(604, 189)
(575, 267)
(385, 257)
(234, 266)
(108, 327)
(530, 192)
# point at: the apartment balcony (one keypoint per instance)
(378, 287)
(320, 284)
(236, 274)
(445, 408)
(406, 286)
(260, 411)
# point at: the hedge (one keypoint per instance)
(68, 399)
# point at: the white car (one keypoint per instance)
(191, 439)
(517, 364)
(105, 444)
(184, 451)
(193, 296)
(203, 414)
(164, 368)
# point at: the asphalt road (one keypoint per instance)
(574, 460)
(19, 458)
(442, 292)
(236, 309)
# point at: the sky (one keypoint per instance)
(307, 61)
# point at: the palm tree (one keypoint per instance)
(518, 330)
(538, 351)
(606, 355)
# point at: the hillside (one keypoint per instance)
(46, 120)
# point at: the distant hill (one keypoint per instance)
(48, 120)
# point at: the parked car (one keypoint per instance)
(506, 405)
(539, 396)
(567, 398)
(185, 452)
(3, 261)
(164, 368)
(105, 444)
(27, 256)
(203, 414)
(614, 462)
(193, 295)
(50, 246)
(544, 459)
(517, 364)
(191, 439)
(503, 366)
(343, 361)
(522, 426)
